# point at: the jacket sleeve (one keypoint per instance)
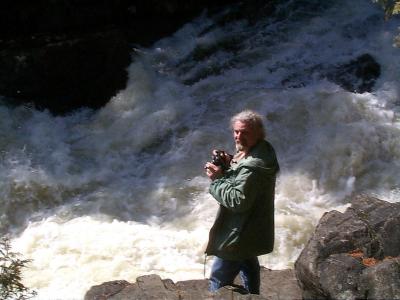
(236, 193)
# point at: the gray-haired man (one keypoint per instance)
(244, 226)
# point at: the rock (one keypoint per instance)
(106, 290)
(198, 289)
(336, 262)
(279, 285)
(339, 275)
(274, 285)
(381, 281)
(358, 75)
(66, 73)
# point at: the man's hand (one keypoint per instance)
(224, 156)
(213, 172)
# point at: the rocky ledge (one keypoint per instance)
(351, 255)
(274, 285)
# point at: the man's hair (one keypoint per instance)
(255, 120)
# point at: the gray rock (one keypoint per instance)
(381, 281)
(106, 290)
(197, 289)
(339, 276)
(149, 287)
(359, 75)
(326, 270)
(279, 285)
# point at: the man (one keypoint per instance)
(244, 226)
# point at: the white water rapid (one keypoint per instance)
(120, 192)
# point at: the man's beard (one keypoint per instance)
(240, 147)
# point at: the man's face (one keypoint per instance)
(245, 136)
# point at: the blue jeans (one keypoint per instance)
(224, 272)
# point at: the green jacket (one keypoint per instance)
(244, 226)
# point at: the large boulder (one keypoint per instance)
(353, 255)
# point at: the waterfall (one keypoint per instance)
(121, 192)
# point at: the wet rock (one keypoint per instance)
(275, 285)
(358, 75)
(336, 262)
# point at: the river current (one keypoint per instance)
(120, 192)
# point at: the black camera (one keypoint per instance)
(218, 159)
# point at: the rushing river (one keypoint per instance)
(121, 192)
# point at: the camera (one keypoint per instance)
(218, 159)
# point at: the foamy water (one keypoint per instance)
(120, 192)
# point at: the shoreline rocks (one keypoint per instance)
(275, 285)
